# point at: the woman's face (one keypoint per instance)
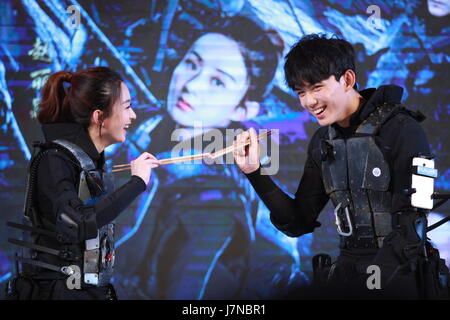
(209, 83)
(115, 126)
(439, 8)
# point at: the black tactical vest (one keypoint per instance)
(356, 178)
(95, 257)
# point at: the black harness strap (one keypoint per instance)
(31, 229)
(39, 264)
(34, 246)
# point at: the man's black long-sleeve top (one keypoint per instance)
(400, 139)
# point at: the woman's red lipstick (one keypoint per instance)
(183, 105)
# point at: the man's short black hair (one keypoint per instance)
(315, 58)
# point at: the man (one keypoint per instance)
(360, 159)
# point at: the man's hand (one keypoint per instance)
(247, 157)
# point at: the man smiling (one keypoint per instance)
(360, 159)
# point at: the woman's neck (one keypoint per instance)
(94, 133)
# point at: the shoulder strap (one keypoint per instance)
(83, 159)
(88, 187)
(372, 124)
(377, 118)
(331, 132)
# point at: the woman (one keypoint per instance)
(203, 242)
(70, 203)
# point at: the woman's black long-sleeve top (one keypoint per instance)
(58, 180)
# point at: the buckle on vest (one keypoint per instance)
(339, 223)
(99, 257)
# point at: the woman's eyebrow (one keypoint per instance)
(126, 101)
(220, 70)
(197, 55)
(227, 74)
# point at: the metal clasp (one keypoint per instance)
(339, 224)
(67, 270)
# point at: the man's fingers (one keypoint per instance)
(235, 149)
(253, 138)
(238, 150)
(242, 141)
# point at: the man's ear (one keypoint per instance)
(250, 111)
(97, 117)
(349, 79)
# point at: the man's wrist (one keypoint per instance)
(255, 172)
(261, 183)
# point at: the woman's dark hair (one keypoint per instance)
(261, 51)
(315, 58)
(90, 89)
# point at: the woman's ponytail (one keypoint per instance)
(54, 104)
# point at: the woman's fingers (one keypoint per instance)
(153, 162)
(144, 156)
(148, 156)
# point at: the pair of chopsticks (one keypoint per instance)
(127, 166)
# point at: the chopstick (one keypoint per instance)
(127, 166)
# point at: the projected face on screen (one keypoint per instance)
(209, 83)
(439, 8)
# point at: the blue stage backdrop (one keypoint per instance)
(200, 231)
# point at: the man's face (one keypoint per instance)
(325, 100)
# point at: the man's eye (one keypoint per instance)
(317, 88)
(300, 93)
(128, 107)
(217, 82)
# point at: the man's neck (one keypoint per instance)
(355, 103)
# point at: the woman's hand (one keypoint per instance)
(247, 157)
(142, 166)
